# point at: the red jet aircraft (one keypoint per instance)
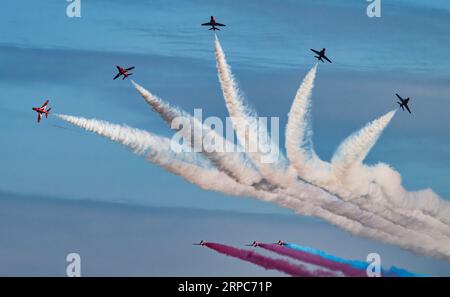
(42, 110)
(213, 24)
(123, 72)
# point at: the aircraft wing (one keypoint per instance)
(219, 24)
(45, 104)
(118, 74)
(325, 57)
(207, 24)
(39, 117)
(313, 50)
(408, 108)
(128, 69)
(398, 96)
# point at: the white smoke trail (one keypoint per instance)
(138, 141)
(337, 213)
(149, 98)
(377, 225)
(299, 144)
(188, 165)
(235, 164)
(197, 172)
(384, 187)
(164, 109)
(355, 148)
(345, 177)
(318, 172)
(361, 180)
(244, 121)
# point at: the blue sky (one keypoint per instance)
(46, 55)
(117, 239)
(275, 34)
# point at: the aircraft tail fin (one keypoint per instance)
(48, 111)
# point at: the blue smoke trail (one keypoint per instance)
(404, 273)
(354, 263)
(393, 271)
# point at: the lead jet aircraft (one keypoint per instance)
(403, 103)
(321, 55)
(123, 72)
(213, 24)
(202, 243)
(42, 110)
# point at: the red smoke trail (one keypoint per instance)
(347, 270)
(267, 262)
